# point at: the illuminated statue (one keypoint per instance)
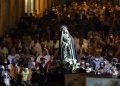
(68, 52)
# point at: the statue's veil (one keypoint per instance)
(67, 45)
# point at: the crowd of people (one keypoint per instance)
(32, 49)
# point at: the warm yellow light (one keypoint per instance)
(41, 7)
(32, 6)
(37, 6)
(45, 2)
(26, 6)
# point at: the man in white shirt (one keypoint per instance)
(45, 55)
(11, 57)
(38, 58)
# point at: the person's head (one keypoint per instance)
(111, 36)
(114, 61)
(82, 62)
(65, 33)
(25, 69)
(13, 51)
(87, 64)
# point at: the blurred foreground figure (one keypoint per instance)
(6, 78)
(68, 51)
(6, 74)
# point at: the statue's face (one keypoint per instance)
(65, 33)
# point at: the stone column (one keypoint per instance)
(37, 6)
(49, 4)
(0, 17)
(21, 8)
(16, 13)
(26, 6)
(20, 5)
(41, 7)
(29, 6)
(32, 6)
(45, 3)
(12, 13)
(4, 16)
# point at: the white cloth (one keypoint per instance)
(47, 58)
(11, 57)
(38, 58)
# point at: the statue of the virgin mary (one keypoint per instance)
(68, 51)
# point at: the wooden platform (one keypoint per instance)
(78, 79)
